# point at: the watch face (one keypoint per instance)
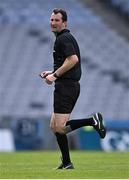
(55, 75)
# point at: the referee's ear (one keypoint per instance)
(65, 24)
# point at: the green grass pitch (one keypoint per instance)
(88, 165)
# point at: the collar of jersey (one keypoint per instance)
(63, 31)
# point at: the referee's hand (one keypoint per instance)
(50, 78)
(44, 74)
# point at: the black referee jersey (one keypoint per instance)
(65, 46)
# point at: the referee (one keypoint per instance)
(66, 76)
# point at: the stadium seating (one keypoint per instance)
(26, 49)
(122, 6)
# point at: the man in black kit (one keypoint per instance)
(66, 75)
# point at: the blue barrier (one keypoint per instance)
(117, 138)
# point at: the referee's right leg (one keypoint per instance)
(58, 121)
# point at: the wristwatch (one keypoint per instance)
(55, 75)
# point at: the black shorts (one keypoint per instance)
(65, 96)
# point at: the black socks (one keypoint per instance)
(63, 145)
(62, 138)
(75, 124)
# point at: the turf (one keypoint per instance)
(88, 165)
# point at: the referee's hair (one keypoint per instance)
(61, 11)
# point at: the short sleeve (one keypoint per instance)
(67, 47)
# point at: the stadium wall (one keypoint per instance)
(117, 138)
(34, 134)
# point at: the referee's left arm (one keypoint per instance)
(68, 64)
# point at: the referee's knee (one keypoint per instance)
(58, 129)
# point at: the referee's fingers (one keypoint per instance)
(42, 75)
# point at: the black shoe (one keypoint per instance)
(67, 166)
(99, 127)
(61, 166)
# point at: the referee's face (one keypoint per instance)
(57, 23)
